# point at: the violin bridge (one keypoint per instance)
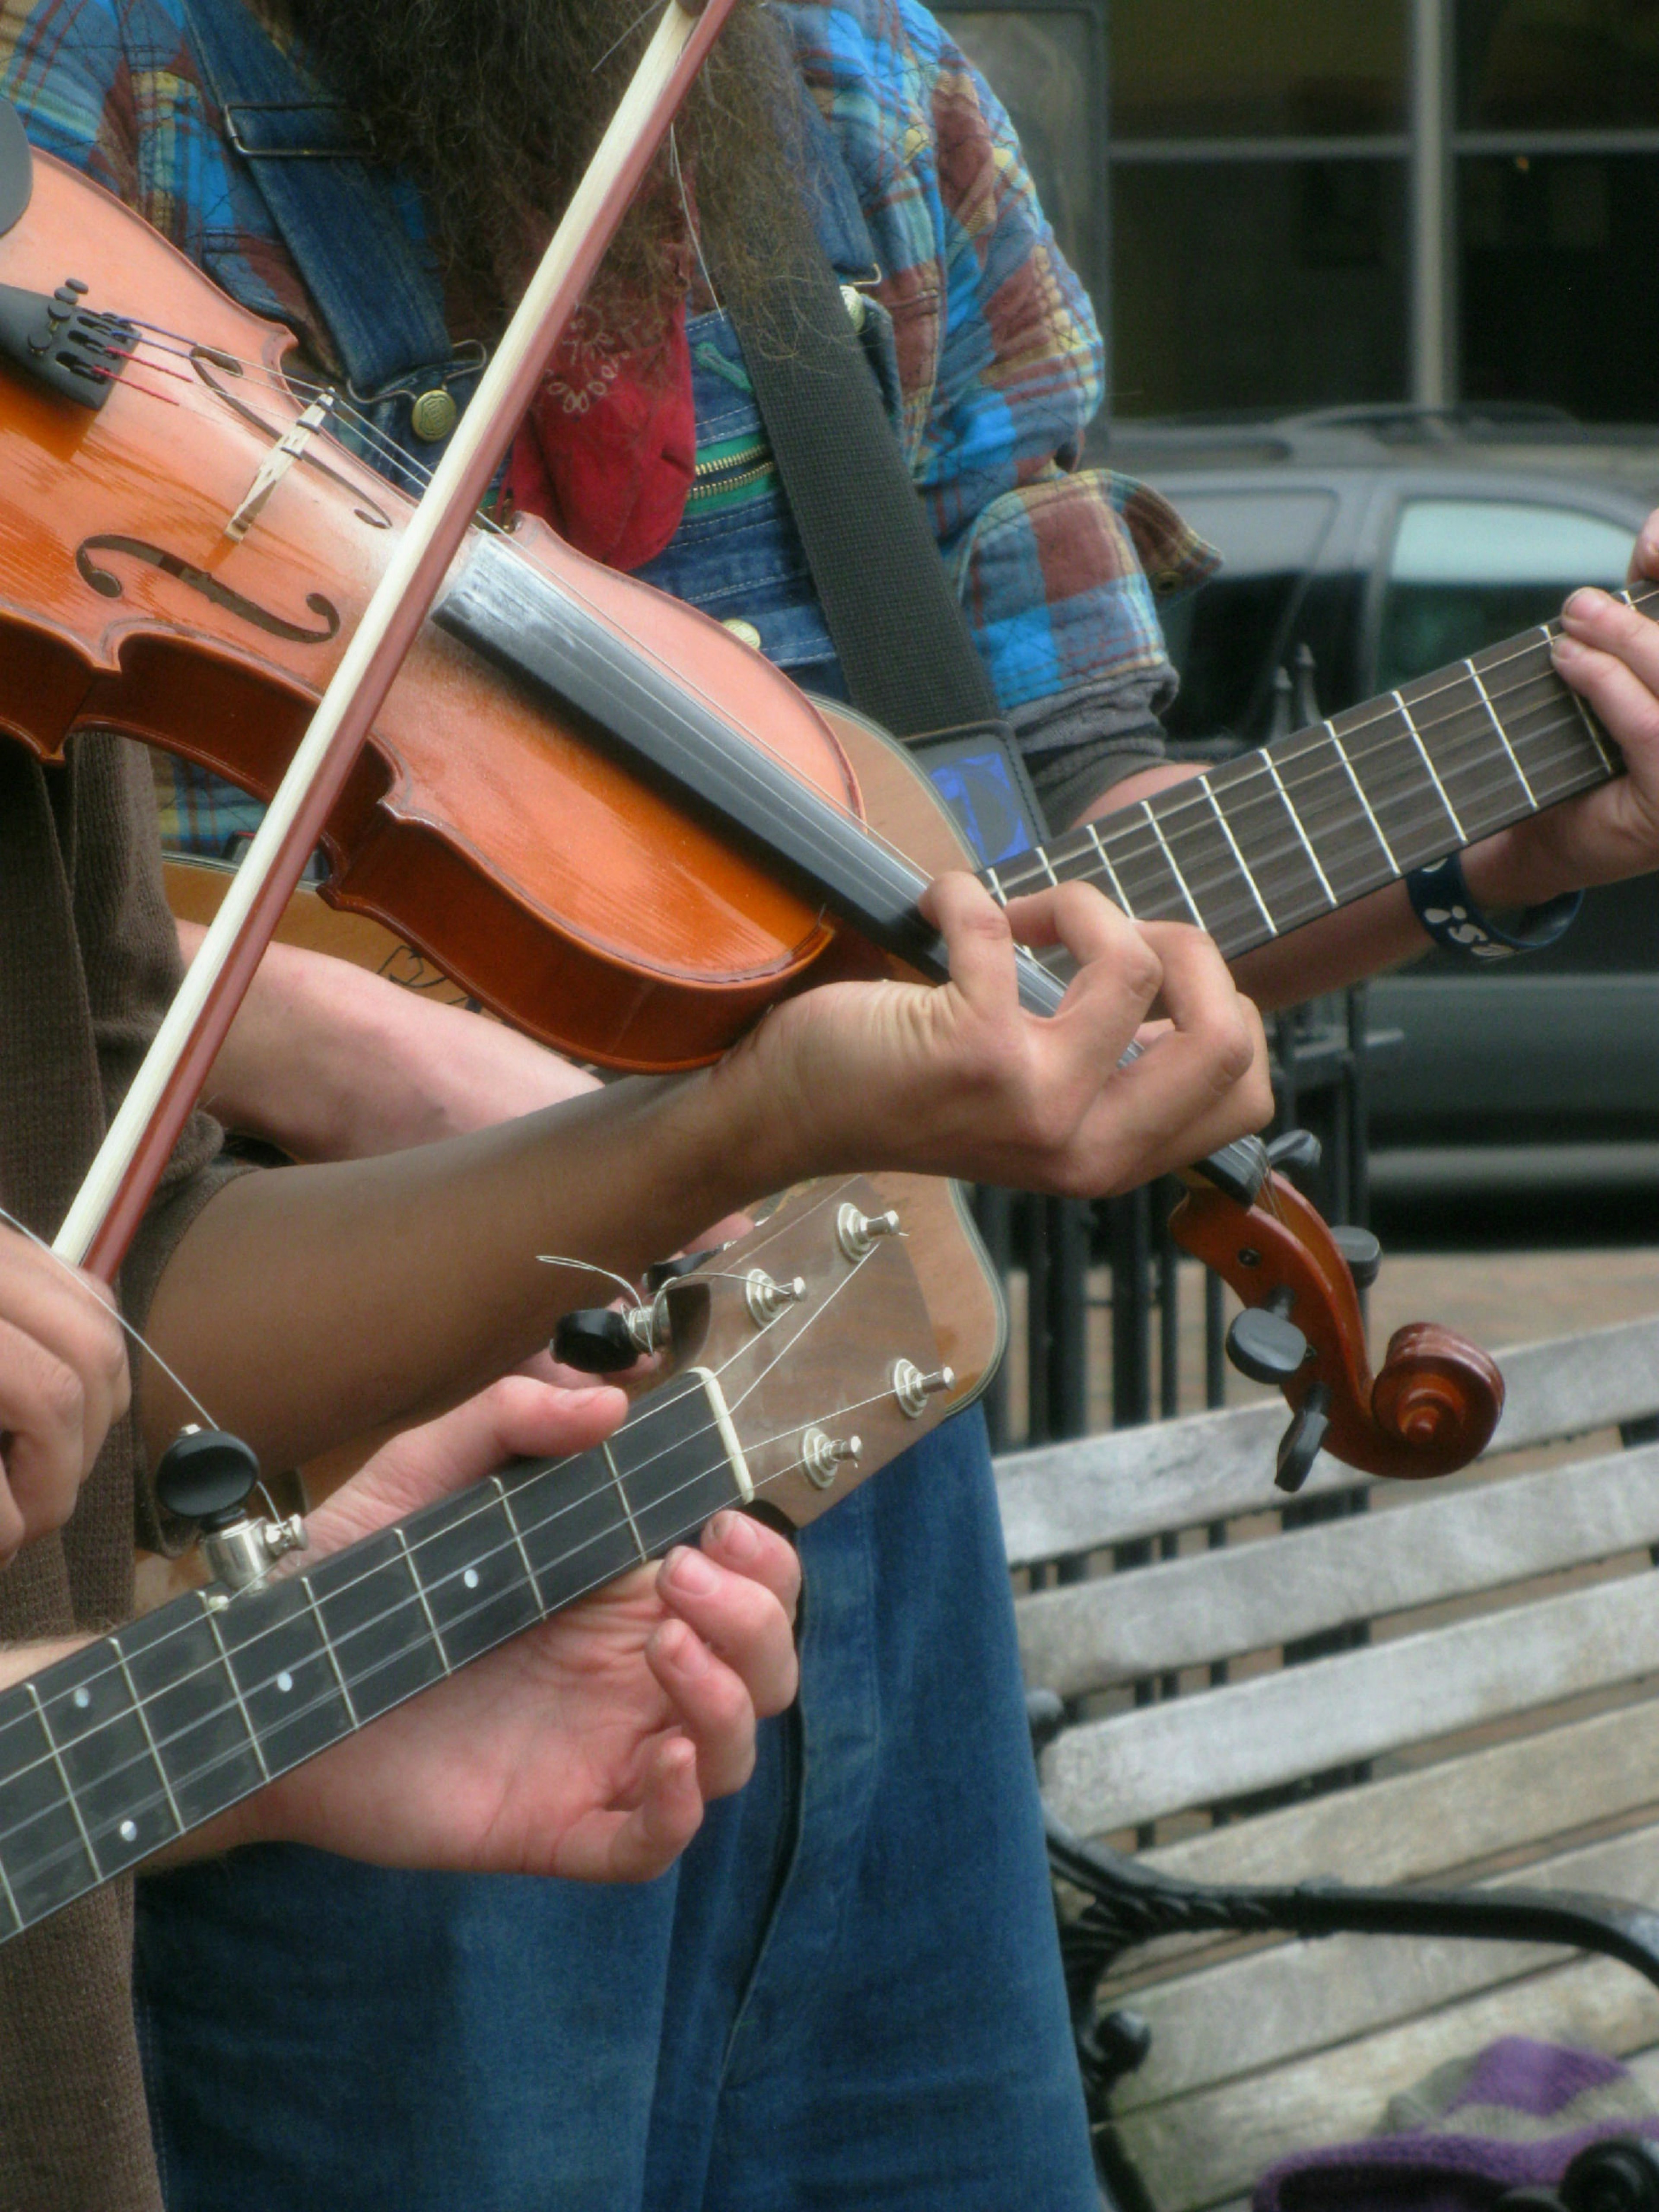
(276, 464)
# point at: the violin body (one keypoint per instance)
(535, 868)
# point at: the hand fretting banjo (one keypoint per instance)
(855, 1319)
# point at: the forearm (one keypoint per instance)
(331, 1061)
(312, 1304)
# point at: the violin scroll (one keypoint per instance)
(1439, 1394)
(1436, 1401)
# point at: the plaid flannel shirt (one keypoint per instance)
(998, 356)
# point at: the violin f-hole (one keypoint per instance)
(107, 584)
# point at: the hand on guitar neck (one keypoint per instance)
(1603, 646)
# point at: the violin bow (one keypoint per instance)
(110, 1202)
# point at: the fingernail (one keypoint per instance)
(690, 1572)
(1566, 649)
(736, 1535)
(1583, 603)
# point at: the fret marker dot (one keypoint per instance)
(470, 1578)
(83, 1699)
(129, 1831)
(285, 1681)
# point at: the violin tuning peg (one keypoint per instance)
(1265, 1346)
(1362, 1252)
(205, 1475)
(1303, 1439)
(1297, 1148)
(596, 1340)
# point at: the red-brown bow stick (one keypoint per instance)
(110, 1202)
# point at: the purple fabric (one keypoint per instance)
(1431, 2167)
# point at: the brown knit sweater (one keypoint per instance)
(88, 961)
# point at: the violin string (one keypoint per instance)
(1209, 881)
(511, 1545)
(96, 1290)
(653, 1409)
(1289, 754)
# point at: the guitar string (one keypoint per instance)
(1424, 808)
(1386, 716)
(487, 1503)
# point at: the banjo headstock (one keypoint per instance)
(856, 1317)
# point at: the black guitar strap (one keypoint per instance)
(903, 640)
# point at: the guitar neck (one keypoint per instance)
(1264, 843)
(129, 1743)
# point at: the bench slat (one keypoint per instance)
(1088, 1635)
(1224, 1743)
(1203, 2149)
(1272, 2006)
(1507, 1795)
(1063, 1499)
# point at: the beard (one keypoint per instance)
(496, 106)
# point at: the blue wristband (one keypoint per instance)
(1440, 900)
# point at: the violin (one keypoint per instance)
(662, 835)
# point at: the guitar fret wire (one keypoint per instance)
(208, 1614)
(403, 1603)
(142, 1710)
(1118, 891)
(1296, 819)
(5, 1885)
(477, 1512)
(1359, 793)
(1244, 866)
(1503, 734)
(1433, 773)
(627, 1510)
(62, 1776)
(328, 1646)
(1181, 881)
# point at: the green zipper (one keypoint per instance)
(731, 467)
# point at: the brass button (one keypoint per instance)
(744, 630)
(1167, 580)
(855, 304)
(434, 416)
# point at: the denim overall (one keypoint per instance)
(848, 1991)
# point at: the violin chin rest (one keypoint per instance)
(16, 169)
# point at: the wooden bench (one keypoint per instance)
(1494, 1724)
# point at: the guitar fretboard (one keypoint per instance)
(112, 1753)
(1264, 843)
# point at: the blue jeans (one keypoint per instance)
(846, 1994)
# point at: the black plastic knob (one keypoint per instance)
(1297, 1148)
(206, 1475)
(1362, 1252)
(1264, 1346)
(595, 1340)
(683, 1263)
(1303, 1439)
(1619, 2176)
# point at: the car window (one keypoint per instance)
(1464, 573)
(1223, 638)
